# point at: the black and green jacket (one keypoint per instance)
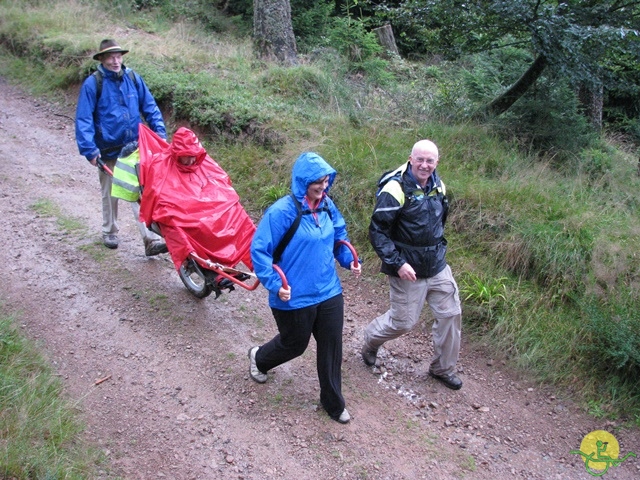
(407, 224)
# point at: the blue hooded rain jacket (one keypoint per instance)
(308, 261)
(107, 124)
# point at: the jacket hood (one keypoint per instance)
(308, 168)
(185, 143)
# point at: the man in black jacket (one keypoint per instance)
(407, 233)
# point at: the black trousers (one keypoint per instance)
(325, 321)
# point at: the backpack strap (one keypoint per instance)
(98, 76)
(395, 174)
(277, 254)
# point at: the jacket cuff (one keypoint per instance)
(93, 155)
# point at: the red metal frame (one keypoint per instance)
(228, 272)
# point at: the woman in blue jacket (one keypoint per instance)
(313, 303)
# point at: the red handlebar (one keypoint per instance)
(279, 271)
(285, 284)
(103, 166)
(353, 252)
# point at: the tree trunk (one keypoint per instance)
(272, 31)
(591, 98)
(386, 38)
(501, 104)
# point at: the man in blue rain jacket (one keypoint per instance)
(111, 104)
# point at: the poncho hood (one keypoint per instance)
(185, 143)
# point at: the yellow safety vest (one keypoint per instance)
(125, 178)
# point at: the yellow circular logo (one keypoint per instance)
(600, 445)
(600, 450)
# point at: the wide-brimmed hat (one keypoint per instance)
(109, 46)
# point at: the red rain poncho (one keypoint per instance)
(195, 205)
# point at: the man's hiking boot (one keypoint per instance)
(451, 381)
(369, 355)
(110, 240)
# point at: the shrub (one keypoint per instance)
(594, 162)
(361, 48)
(612, 338)
(311, 22)
(547, 118)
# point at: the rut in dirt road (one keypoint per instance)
(179, 402)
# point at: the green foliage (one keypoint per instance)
(449, 100)
(351, 39)
(270, 193)
(311, 22)
(593, 162)
(592, 43)
(39, 435)
(627, 124)
(550, 250)
(377, 71)
(360, 47)
(484, 297)
(574, 36)
(489, 73)
(209, 15)
(612, 337)
(190, 9)
(484, 291)
(548, 119)
(218, 108)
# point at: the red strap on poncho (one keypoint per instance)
(196, 206)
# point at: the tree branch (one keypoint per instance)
(502, 103)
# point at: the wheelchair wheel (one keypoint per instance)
(194, 279)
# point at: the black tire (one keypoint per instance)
(194, 280)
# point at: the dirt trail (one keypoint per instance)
(179, 403)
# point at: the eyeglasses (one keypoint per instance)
(428, 161)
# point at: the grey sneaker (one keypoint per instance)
(369, 355)
(155, 247)
(255, 374)
(110, 240)
(344, 417)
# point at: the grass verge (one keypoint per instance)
(40, 433)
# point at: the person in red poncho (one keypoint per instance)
(192, 200)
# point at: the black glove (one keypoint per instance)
(128, 149)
